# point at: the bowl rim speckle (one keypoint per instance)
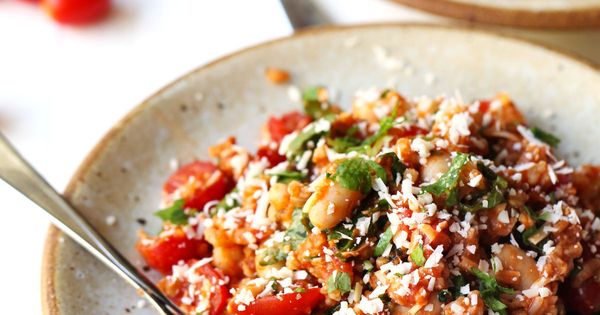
(48, 286)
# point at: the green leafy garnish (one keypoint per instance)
(368, 265)
(174, 214)
(385, 125)
(541, 217)
(444, 296)
(272, 256)
(490, 291)
(417, 256)
(313, 104)
(540, 236)
(545, 136)
(343, 144)
(228, 202)
(300, 290)
(391, 160)
(296, 233)
(343, 237)
(287, 176)
(357, 174)
(383, 242)
(307, 134)
(378, 139)
(493, 198)
(339, 281)
(458, 281)
(448, 182)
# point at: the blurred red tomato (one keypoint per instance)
(76, 11)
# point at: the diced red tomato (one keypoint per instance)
(484, 106)
(198, 183)
(76, 11)
(584, 300)
(270, 154)
(167, 249)
(288, 304)
(279, 127)
(209, 287)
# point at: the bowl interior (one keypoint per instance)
(123, 175)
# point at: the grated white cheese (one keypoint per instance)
(369, 306)
(435, 257)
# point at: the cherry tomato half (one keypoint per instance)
(167, 249)
(272, 156)
(76, 11)
(219, 293)
(288, 304)
(279, 127)
(209, 289)
(198, 183)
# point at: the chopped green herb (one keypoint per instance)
(545, 136)
(391, 160)
(385, 125)
(378, 139)
(490, 291)
(174, 214)
(487, 172)
(539, 239)
(447, 184)
(458, 281)
(227, 203)
(288, 176)
(417, 256)
(383, 242)
(343, 237)
(300, 290)
(444, 296)
(272, 256)
(309, 133)
(313, 104)
(493, 198)
(339, 281)
(343, 144)
(357, 173)
(541, 217)
(367, 265)
(296, 233)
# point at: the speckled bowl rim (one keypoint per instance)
(48, 293)
(550, 19)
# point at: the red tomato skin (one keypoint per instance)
(272, 156)
(288, 304)
(77, 11)
(220, 296)
(203, 172)
(584, 300)
(279, 127)
(162, 253)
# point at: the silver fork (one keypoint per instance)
(18, 173)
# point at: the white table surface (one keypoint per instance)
(61, 88)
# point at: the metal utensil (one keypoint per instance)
(304, 13)
(18, 173)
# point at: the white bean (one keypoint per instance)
(330, 204)
(514, 258)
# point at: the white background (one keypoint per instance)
(61, 88)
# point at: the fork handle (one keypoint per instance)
(19, 174)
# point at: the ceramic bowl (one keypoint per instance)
(557, 14)
(122, 176)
